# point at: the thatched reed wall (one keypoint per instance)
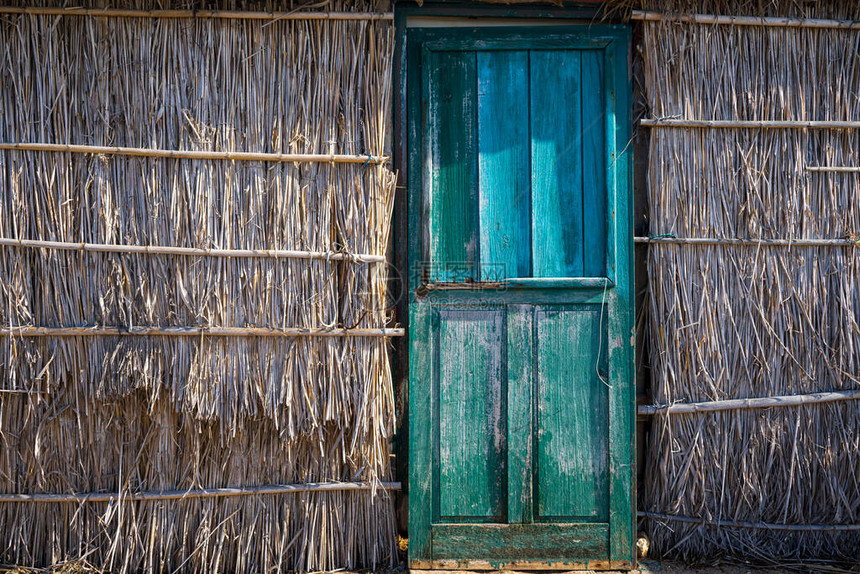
(739, 321)
(131, 414)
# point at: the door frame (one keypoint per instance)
(409, 146)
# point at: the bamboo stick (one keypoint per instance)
(210, 14)
(744, 124)
(745, 524)
(202, 492)
(192, 251)
(771, 22)
(749, 242)
(756, 403)
(196, 154)
(196, 332)
(833, 168)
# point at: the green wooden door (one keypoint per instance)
(521, 389)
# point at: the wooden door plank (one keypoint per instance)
(503, 164)
(555, 543)
(556, 142)
(593, 164)
(572, 414)
(472, 414)
(454, 169)
(622, 404)
(420, 430)
(520, 383)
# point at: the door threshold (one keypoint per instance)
(505, 571)
(512, 567)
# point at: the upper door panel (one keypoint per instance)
(516, 143)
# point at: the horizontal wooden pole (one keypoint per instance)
(192, 251)
(768, 22)
(756, 525)
(756, 403)
(745, 124)
(196, 154)
(194, 332)
(200, 492)
(202, 14)
(749, 242)
(833, 169)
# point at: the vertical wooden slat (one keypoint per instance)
(622, 397)
(593, 164)
(556, 139)
(419, 447)
(503, 164)
(454, 169)
(472, 413)
(520, 384)
(420, 432)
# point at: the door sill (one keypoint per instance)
(451, 566)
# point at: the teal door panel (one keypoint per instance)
(452, 221)
(556, 132)
(504, 168)
(572, 429)
(520, 387)
(594, 168)
(521, 391)
(472, 435)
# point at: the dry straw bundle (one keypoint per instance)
(737, 321)
(129, 414)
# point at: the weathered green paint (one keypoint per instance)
(593, 165)
(472, 434)
(503, 136)
(520, 412)
(622, 332)
(519, 451)
(572, 414)
(420, 437)
(541, 542)
(521, 295)
(452, 212)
